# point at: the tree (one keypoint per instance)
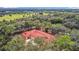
(63, 43)
(16, 44)
(57, 20)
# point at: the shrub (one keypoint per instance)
(37, 44)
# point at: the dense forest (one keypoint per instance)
(62, 23)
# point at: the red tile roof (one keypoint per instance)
(37, 33)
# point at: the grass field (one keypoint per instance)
(14, 16)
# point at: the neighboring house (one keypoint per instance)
(32, 34)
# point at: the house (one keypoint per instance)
(32, 34)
